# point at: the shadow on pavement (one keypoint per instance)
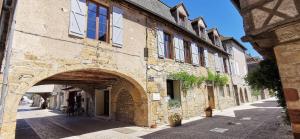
(253, 123)
(62, 126)
(269, 103)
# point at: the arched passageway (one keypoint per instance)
(103, 95)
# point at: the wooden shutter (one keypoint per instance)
(227, 66)
(237, 68)
(232, 64)
(206, 58)
(176, 46)
(222, 64)
(195, 56)
(160, 43)
(77, 18)
(117, 30)
(181, 49)
(217, 61)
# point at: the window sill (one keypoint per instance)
(94, 42)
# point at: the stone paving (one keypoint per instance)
(260, 120)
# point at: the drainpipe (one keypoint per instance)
(6, 61)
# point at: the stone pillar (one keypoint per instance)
(58, 99)
(288, 60)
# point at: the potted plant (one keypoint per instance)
(208, 112)
(175, 120)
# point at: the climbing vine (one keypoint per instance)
(188, 80)
(217, 79)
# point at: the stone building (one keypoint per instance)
(238, 68)
(272, 26)
(122, 51)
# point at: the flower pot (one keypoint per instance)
(208, 113)
(174, 123)
(153, 126)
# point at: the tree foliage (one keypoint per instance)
(266, 76)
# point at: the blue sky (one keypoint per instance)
(217, 13)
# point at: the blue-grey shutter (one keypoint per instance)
(77, 18)
(206, 58)
(217, 62)
(160, 43)
(117, 30)
(195, 56)
(181, 49)
(177, 51)
(222, 64)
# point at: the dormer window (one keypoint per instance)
(202, 33)
(181, 20)
(217, 41)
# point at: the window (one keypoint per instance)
(181, 20)
(225, 65)
(202, 32)
(187, 52)
(201, 54)
(170, 89)
(168, 46)
(221, 91)
(173, 89)
(97, 26)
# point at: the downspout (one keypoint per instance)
(147, 67)
(6, 60)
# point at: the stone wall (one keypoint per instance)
(194, 101)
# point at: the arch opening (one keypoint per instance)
(93, 93)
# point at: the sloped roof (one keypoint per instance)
(181, 4)
(199, 18)
(223, 38)
(158, 8)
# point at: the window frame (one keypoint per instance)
(187, 54)
(172, 94)
(169, 49)
(201, 56)
(181, 19)
(97, 29)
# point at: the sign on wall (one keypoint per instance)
(156, 96)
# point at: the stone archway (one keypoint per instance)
(76, 76)
(125, 107)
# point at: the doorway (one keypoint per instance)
(246, 95)
(102, 103)
(211, 97)
(236, 95)
(242, 95)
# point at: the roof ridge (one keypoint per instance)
(164, 4)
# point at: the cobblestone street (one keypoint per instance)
(255, 120)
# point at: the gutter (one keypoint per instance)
(180, 27)
(6, 60)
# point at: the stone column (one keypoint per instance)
(58, 99)
(288, 60)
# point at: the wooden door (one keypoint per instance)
(211, 97)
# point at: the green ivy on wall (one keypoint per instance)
(189, 81)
